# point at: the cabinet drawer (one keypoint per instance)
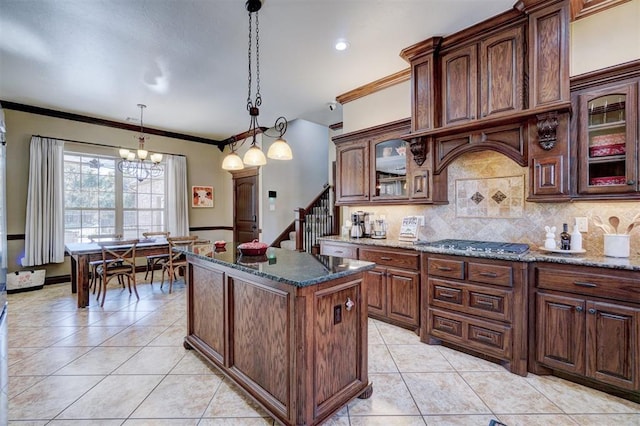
(487, 337)
(472, 299)
(406, 260)
(446, 268)
(490, 274)
(339, 250)
(591, 284)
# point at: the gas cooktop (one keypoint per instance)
(477, 246)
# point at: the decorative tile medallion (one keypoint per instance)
(501, 197)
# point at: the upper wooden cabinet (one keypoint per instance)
(605, 124)
(375, 166)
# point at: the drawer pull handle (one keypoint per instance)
(585, 284)
(484, 302)
(349, 304)
(443, 268)
(488, 274)
(592, 311)
(447, 295)
(385, 258)
(579, 309)
(446, 326)
(483, 336)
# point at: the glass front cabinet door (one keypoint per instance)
(390, 171)
(607, 141)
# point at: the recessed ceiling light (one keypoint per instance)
(342, 45)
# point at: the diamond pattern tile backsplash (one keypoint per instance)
(444, 222)
(486, 197)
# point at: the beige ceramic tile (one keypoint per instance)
(150, 360)
(179, 396)
(465, 362)
(17, 354)
(230, 401)
(240, 421)
(393, 335)
(47, 361)
(380, 360)
(46, 399)
(574, 398)
(161, 422)
(99, 361)
(18, 384)
(373, 334)
(115, 397)
(538, 420)
(193, 363)
(135, 336)
(505, 392)
(475, 420)
(338, 421)
(120, 318)
(42, 336)
(172, 336)
(607, 419)
(90, 336)
(443, 393)
(419, 358)
(390, 397)
(94, 422)
(388, 420)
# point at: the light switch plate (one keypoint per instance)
(583, 224)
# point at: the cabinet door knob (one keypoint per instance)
(592, 311)
(349, 304)
(579, 309)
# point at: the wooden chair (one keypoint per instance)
(177, 261)
(155, 259)
(94, 264)
(118, 260)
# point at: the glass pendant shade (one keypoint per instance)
(156, 157)
(232, 162)
(280, 150)
(254, 157)
(142, 154)
(124, 153)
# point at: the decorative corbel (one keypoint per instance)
(419, 149)
(547, 125)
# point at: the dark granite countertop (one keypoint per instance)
(533, 255)
(285, 266)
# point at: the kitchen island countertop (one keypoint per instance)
(631, 263)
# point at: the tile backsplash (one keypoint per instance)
(443, 222)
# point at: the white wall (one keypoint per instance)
(607, 38)
(384, 106)
(296, 182)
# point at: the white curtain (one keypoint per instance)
(44, 230)
(177, 195)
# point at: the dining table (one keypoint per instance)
(83, 253)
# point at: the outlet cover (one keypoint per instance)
(583, 224)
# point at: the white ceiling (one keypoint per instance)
(187, 59)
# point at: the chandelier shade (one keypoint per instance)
(135, 164)
(254, 156)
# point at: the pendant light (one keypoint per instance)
(280, 149)
(135, 164)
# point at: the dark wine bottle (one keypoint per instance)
(565, 238)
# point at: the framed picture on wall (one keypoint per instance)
(202, 196)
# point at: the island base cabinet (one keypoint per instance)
(300, 352)
(594, 339)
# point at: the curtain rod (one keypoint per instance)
(103, 145)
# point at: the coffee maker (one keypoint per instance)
(360, 226)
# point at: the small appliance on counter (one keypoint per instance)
(360, 225)
(379, 228)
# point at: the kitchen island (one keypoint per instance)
(289, 328)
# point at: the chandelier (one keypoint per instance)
(138, 166)
(254, 156)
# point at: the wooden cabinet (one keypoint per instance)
(605, 125)
(393, 286)
(495, 74)
(352, 175)
(588, 325)
(375, 167)
(478, 304)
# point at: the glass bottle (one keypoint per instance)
(565, 238)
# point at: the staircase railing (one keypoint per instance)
(319, 218)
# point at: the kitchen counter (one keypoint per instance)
(631, 263)
(289, 328)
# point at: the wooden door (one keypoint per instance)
(376, 293)
(403, 296)
(501, 65)
(245, 205)
(560, 332)
(613, 334)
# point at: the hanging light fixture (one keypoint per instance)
(138, 166)
(280, 149)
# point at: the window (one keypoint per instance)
(100, 200)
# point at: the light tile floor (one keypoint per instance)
(125, 364)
